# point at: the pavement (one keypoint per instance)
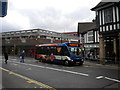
(88, 63)
(107, 65)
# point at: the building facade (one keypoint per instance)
(89, 36)
(15, 41)
(74, 34)
(108, 18)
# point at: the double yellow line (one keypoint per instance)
(28, 79)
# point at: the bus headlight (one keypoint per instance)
(68, 58)
(72, 60)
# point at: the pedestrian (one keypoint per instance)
(22, 55)
(91, 56)
(6, 57)
(88, 55)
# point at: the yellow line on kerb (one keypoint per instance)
(31, 80)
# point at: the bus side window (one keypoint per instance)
(37, 50)
(43, 50)
(53, 50)
(47, 50)
(58, 50)
(64, 51)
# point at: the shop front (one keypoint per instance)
(92, 51)
(110, 47)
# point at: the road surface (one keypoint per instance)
(33, 74)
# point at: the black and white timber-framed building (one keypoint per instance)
(108, 18)
(89, 36)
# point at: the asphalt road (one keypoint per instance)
(32, 74)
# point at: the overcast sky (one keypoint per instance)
(54, 15)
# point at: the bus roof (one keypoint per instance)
(58, 44)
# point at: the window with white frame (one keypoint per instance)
(90, 37)
(108, 15)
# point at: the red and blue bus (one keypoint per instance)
(63, 53)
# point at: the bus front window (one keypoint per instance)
(75, 50)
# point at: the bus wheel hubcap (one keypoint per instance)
(66, 62)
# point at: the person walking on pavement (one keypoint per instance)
(91, 56)
(6, 57)
(22, 55)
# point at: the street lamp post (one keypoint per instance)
(61, 37)
(14, 49)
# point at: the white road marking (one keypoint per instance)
(99, 77)
(55, 69)
(29, 69)
(115, 80)
(14, 59)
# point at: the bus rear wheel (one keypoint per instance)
(43, 60)
(40, 59)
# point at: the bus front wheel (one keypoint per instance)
(66, 63)
(81, 63)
